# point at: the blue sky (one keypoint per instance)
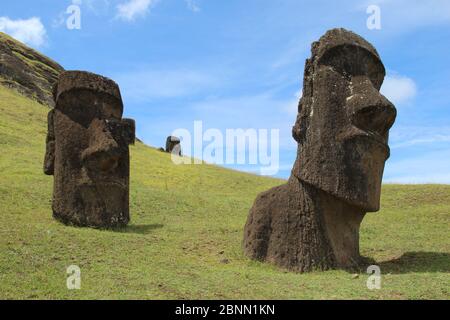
(239, 64)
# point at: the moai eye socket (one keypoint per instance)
(351, 61)
(122, 129)
(129, 130)
(110, 107)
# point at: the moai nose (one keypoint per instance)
(103, 153)
(369, 109)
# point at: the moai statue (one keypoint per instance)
(173, 144)
(88, 151)
(312, 222)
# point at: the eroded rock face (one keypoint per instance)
(312, 222)
(88, 151)
(27, 71)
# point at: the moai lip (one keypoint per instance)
(87, 151)
(312, 222)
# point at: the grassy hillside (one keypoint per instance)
(27, 70)
(185, 237)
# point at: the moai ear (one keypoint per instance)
(129, 130)
(124, 128)
(49, 161)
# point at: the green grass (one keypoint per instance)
(185, 221)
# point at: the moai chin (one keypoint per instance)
(88, 151)
(312, 222)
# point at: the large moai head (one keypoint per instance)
(343, 120)
(88, 151)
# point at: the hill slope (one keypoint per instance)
(185, 237)
(26, 70)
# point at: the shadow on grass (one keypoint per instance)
(417, 262)
(140, 228)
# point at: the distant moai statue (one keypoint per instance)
(87, 151)
(173, 144)
(312, 222)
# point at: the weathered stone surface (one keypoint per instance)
(173, 143)
(27, 71)
(88, 151)
(312, 222)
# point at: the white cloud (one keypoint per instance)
(408, 136)
(399, 89)
(97, 6)
(192, 5)
(30, 31)
(59, 20)
(132, 9)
